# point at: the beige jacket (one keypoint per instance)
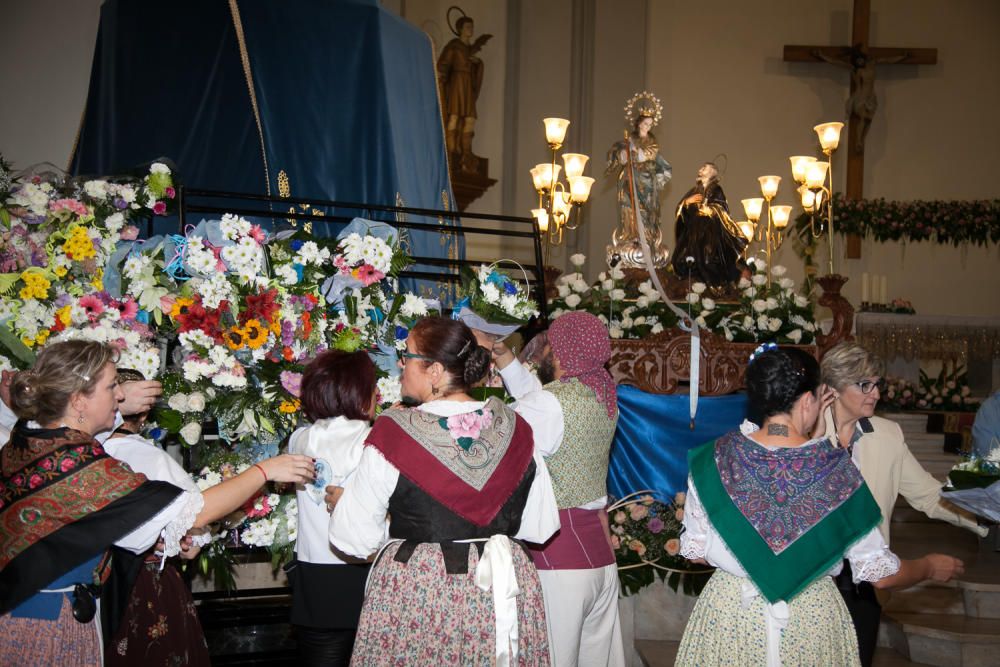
(890, 469)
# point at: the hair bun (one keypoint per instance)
(477, 362)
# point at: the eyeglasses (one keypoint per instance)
(403, 356)
(866, 386)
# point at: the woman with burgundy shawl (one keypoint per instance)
(776, 510)
(462, 483)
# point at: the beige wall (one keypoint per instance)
(718, 69)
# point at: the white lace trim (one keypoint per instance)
(200, 536)
(179, 526)
(694, 539)
(879, 565)
(692, 548)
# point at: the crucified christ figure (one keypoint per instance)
(863, 102)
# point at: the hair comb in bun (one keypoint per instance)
(761, 349)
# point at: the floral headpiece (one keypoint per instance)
(761, 349)
(643, 104)
(493, 301)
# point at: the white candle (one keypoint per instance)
(884, 290)
(864, 287)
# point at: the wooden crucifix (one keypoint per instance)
(862, 103)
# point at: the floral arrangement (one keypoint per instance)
(902, 307)
(495, 296)
(645, 535)
(975, 472)
(59, 237)
(771, 312)
(948, 391)
(953, 222)
(899, 394)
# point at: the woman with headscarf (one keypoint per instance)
(877, 447)
(573, 417)
(454, 584)
(776, 510)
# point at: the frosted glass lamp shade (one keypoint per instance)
(555, 131)
(575, 163)
(799, 165)
(579, 188)
(816, 174)
(769, 186)
(780, 215)
(753, 208)
(829, 135)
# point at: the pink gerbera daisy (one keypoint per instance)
(92, 305)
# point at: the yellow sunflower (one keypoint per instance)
(180, 306)
(256, 335)
(236, 338)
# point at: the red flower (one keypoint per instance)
(47, 464)
(159, 208)
(34, 481)
(260, 307)
(170, 193)
(199, 317)
(67, 464)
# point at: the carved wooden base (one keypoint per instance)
(843, 311)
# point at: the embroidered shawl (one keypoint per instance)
(470, 466)
(788, 514)
(63, 500)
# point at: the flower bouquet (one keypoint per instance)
(974, 485)
(645, 535)
(949, 391)
(493, 301)
(899, 394)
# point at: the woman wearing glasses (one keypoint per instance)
(463, 484)
(880, 453)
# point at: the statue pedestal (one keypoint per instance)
(469, 179)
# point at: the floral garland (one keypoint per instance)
(764, 312)
(645, 536)
(938, 221)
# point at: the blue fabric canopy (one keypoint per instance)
(332, 99)
(654, 436)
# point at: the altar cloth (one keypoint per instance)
(654, 435)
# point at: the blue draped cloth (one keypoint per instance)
(654, 436)
(344, 105)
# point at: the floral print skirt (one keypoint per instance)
(160, 625)
(722, 632)
(417, 614)
(63, 641)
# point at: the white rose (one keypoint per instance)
(617, 274)
(701, 321)
(642, 302)
(956, 399)
(618, 294)
(708, 304)
(698, 288)
(772, 303)
(639, 321)
(627, 323)
(602, 276)
(178, 402)
(773, 323)
(615, 332)
(786, 283)
(578, 259)
(191, 433)
(759, 279)
(795, 335)
(607, 285)
(196, 402)
(760, 305)
(657, 328)
(563, 291)
(573, 300)
(693, 297)
(801, 301)
(743, 284)
(762, 322)
(580, 286)
(778, 271)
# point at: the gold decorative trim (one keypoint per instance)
(234, 10)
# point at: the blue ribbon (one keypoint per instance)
(464, 303)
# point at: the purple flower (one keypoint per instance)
(655, 525)
(120, 203)
(287, 333)
(292, 382)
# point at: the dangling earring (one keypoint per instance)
(80, 418)
(434, 390)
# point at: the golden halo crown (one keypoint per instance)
(643, 104)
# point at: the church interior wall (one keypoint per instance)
(718, 70)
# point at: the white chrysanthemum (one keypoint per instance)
(6, 309)
(195, 338)
(159, 168)
(208, 479)
(509, 304)
(389, 389)
(286, 274)
(490, 293)
(96, 189)
(234, 226)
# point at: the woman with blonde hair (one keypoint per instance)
(64, 502)
(877, 448)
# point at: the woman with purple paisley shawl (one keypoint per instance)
(463, 483)
(776, 510)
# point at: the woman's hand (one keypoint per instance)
(826, 395)
(333, 494)
(942, 567)
(293, 468)
(694, 200)
(139, 396)
(188, 549)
